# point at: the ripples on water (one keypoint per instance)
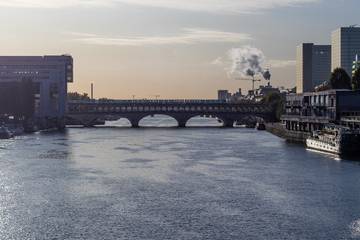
(168, 183)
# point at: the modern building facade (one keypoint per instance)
(313, 66)
(313, 110)
(48, 75)
(224, 95)
(345, 46)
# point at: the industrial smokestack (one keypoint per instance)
(92, 91)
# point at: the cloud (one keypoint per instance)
(216, 6)
(228, 6)
(218, 61)
(274, 63)
(188, 36)
(53, 3)
(247, 60)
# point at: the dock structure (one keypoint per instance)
(89, 113)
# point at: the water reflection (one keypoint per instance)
(158, 121)
(166, 183)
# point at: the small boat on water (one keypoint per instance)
(260, 126)
(5, 133)
(335, 139)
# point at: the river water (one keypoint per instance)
(168, 183)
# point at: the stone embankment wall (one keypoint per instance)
(279, 130)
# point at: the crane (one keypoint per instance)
(253, 80)
(250, 73)
(266, 75)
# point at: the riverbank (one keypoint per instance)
(279, 130)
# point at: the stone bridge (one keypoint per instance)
(92, 112)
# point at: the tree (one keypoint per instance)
(340, 79)
(78, 96)
(277, 102)
(356, 80)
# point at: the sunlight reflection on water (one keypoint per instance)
(167, 183)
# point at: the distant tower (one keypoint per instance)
(92, 91)
(313, 66)
(345, 45)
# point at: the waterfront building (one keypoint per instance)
(226, 96)
(223, 95)
(264, 91)
(313, 66)
(345, 46)
(49, 76)
(311, 111)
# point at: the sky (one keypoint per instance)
(173, 48)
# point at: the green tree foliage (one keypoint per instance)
(78, 96)
(105, 99)
(340, 79)
(277, 102)
(356, 80)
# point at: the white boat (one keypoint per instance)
(335, 139)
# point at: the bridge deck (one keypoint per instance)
(181, 110)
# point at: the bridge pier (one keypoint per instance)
(182, 119)
(135, 125)
(135, 121)
(182, 124)
(228, 123)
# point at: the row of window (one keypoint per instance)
(163, 108)
(311, 113)
(29, 66)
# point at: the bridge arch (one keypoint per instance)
(119, 121)
(161, 120)
(250, 120)
(198, 120)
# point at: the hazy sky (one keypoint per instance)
(174, 48)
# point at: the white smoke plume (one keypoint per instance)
(246, 61)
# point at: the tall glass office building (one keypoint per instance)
(313, 66)
(345, 46)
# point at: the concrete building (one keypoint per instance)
(49, 76)
(264, 91)
(312, 110)
(345, 46)
(224, 95)
(313, 66)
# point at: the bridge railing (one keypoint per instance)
(163, 101)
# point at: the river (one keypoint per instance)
(167, 183)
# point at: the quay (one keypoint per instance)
(311, 111)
